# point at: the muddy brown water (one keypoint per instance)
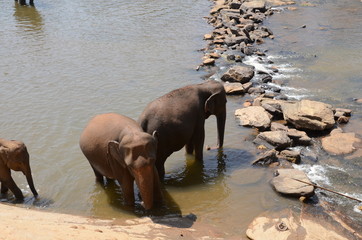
(64, 62)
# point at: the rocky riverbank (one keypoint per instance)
(285, 126)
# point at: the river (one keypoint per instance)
(64, 62)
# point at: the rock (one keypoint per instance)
(275, 126)
(340, 143)
(343, 119)
(233, 40)
(273, 140)
(277, 3)
(214, 55)
(234, 88)
(291, 156)
(272, 110)
(253, 116)
(344, 112)
(239, 73)
(254, 5)
(266, 158)
(299, 137)
(308, 224)
(208, 61)
(208, 37)
(284, 182)
(307, 114)
(256, 90)
(235, 5)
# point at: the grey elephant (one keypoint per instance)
(14, 156)
(117, 148)
(179, 118)
(23, 2)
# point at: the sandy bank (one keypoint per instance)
(19, 224)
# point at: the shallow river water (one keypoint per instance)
(64, 62)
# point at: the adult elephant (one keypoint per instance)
(23, 2)
(179, 118)
(117, 148)
(14, 156)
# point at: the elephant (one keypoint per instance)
(117, 148)
(14, 156)
(23, 2)
(179, 118)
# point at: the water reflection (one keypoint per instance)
(29, 20)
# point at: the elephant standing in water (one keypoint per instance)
(23, 2)
(117, 148)
(179, 118)
(14, 156)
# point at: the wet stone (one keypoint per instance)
(286, 182)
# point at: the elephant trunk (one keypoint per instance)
(221, 119)
(29, 178)
(144, 180)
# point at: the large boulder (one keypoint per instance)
(340, 143)
(286, 182)
(310, 115)
(273, 140)
(240, 73)
(253, 116)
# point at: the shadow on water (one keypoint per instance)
(29, 201)
(29, 19)
(169, 213)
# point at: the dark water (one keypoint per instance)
(64, 62)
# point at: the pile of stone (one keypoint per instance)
(284, 124)
(237, 26)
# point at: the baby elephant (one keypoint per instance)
(117, 148)
(14, 156)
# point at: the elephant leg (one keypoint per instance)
(15, 189)
(190, 147)
(31, 2)
(7, 182)
(4, 189)
(157, 193)
(22, 2)
(199, 139)
(160, 166)
(99, 176)
(126, 183)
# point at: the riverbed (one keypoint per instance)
(64, 62)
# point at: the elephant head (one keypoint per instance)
(216, 105)
(136, 153)
(14, 155)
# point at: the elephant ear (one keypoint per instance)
(116, 153)
(210, 104)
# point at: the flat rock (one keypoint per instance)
(234, 88)
(340, 143)
(284, 183)
(310, 115)
(287, 225)
(273, 140)
(253, 116)
(254, 5)
(240, 73)
(266, 158)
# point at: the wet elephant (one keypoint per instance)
(117, 148)
(179, 118)
(23, 2)
(14, 156)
